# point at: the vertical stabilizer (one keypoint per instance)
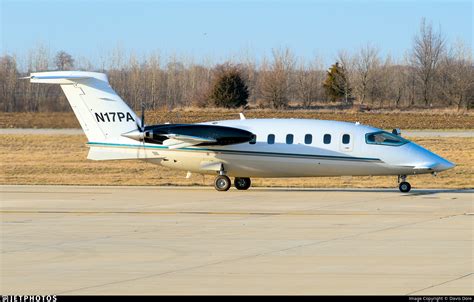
(103, 115)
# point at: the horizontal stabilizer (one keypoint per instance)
(62, 77)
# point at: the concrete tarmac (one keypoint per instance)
(168, 240)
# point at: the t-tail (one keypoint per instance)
(103, 115)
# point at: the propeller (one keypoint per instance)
(138, 134)
(141, 125)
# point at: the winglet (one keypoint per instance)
(242, 116)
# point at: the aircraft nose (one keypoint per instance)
(443, 165)
(428, 160)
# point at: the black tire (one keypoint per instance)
(404, 187)
(242, 183)
(222, 183)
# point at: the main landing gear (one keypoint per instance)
(242, 183)
(404, 186)
(223, 183)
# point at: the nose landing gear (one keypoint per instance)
(403, 186)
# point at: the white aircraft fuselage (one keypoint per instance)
(241, 148)
(299, 158)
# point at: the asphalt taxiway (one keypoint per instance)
(168, 240)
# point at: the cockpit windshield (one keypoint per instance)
(384, 138)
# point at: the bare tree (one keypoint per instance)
(366, 63)
(308, 81)
(398, 85)
(135, 82)
(382, 83)
(8, 80)
(428, 75)
(201, 81)
(345, 79)
(428, 47)
(154, 79)
(250, 72)
(174, 82)
(63, 61)
(457, 76)
(38, 60)
(276, 78)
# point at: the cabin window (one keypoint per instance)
(346, 138)
(308, 139)
(327, 139)
(271, 139)
(253, 140)
(384, 138)
(289, 139)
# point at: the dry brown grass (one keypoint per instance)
(61, 159)
(385, 120)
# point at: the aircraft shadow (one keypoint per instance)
(414, 192)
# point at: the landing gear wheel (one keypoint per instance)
(404, 187)
(242, 183)
(222, 183)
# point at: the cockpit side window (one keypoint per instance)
(384, 138)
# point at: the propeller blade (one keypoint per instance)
(143, 117)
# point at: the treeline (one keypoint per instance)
(432, 74)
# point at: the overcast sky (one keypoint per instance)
(222, 29)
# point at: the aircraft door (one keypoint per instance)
(346, 142)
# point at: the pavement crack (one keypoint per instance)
(439, 284)
(160, 274)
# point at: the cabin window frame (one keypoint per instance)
(324, 139)
(272, 141)
(348, 139)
